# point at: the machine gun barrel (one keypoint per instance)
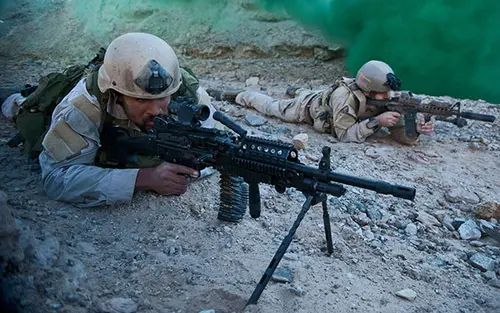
(375, 185)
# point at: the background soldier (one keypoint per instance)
(341, 108)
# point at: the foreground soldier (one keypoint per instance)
(341, 109)
(136, 81)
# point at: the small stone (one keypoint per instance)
(368, 235)
(373, 153)
(300, 141)
(47, 252)
(448, 223)
(317, 82)
(373, 213)
(122, 305)
(408, 294)
(282, 275)
(427, 219)
(401, 224)
(495, 282)
(362, 219)
(489, 275)
(297, 290)
(411, 230)
(208, 311)
(477, 243)
(86, 247)
(469, 231)
(458, 222)
(255, 120)
(485, 224)
(252, 81)
(482, 262)
(457, 195)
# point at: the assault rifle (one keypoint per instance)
(179, 138)
(408, 105)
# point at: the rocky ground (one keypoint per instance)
(171, 254)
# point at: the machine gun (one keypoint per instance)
(182, 140)
(408, 105)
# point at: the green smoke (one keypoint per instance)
(437, 47)
(103, 19)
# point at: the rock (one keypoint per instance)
(401, 224)
(408, 294)
(255, 120)
(362, 219)
(47, 252)
(427, 219)
(458, 222)
(317, 82)
(477, 243)
(282, 275)
(495, 282)
(283, 130)
(482, 262)
(373, 213)
(86, 247)
(300, 141)
(368, 235)
(122, 305)
(485, 224)
(489, 275)
(488, 210)
(448, 223)
(252, 81)
(297, 290)
(208, 311)
(469, 231)
(457, 195)
(373, 153)
(411, 230)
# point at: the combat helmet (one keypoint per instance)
(140, 65)
(377, 76)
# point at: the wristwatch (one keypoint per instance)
(372, 123)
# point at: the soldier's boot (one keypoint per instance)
(224, 95)
(292, 91)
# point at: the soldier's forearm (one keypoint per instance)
(88, 185)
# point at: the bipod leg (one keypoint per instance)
(328, 229)
(310, 201)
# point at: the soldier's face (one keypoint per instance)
(142, 111)
(378, 95)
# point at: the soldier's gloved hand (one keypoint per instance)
(425, 128)
(165, 179)
(388, 119)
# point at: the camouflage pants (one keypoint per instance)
(304, 108)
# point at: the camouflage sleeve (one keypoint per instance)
(346, 126)
(67, 159)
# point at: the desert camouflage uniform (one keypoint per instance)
(72, 144)
(338, 110)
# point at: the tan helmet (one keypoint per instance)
(377, 76)
(140, 65)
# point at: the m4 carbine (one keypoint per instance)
(179, 138)
(408, 105)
